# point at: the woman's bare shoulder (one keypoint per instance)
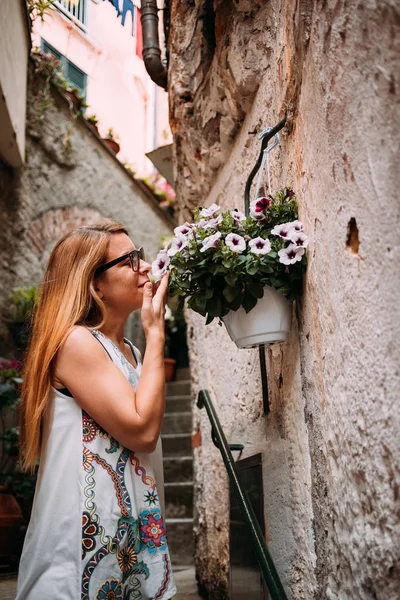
(79, 342)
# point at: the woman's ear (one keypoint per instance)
(99, 292)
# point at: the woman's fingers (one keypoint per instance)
(161, 293)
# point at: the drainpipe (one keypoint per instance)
(151, 43)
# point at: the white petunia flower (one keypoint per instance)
(284, 230)
(259, 246)
(299, 238)
(211, 241)
(296, 225)
(291, 254)
(201, 224)
(211, 211)
(185, 229)
(235, 242)
(238, 216)
(213, 223)
(177, 243)
(159, 266)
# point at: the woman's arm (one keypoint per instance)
(97, 384)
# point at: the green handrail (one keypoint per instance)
(264, 559)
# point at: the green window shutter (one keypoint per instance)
(73, 74)
(76, 77)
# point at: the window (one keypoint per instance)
(76, 10)
(73, 74)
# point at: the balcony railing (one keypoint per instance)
(75, 10)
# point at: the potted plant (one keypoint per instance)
(111, 142)
(227, 264)
(22, 303)
(93, 121)
(16, 488)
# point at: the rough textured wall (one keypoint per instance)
(331, 441)
(70, 179)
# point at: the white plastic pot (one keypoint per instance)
(267, 323)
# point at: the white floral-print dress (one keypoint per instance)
(96, 530)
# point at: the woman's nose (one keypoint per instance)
(145, 267)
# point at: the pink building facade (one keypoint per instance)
(99, 43)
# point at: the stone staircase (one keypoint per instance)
(178, 472)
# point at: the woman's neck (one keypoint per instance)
(114, 329)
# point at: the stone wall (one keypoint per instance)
(71, 178)
(329, 445)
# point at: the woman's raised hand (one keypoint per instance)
(153, 307)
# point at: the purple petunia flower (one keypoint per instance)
(296, 225)
(213, 223)
(237, 215)
(299, 238)
(291, 254)
(211, 211)
(160, 265)
(211, 241)
(284, 230)
(259, 207)
(177, 244)
(185, 229)
(235, 242)
(259, 246)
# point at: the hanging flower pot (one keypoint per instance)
(269, 321)
(242, 270)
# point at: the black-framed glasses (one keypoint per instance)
(135, 256)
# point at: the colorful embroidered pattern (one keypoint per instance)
(141, 471)
(151, 497)
(122, 526)
(152, 532)
(165, 583)
(89, 531)
(110, 590)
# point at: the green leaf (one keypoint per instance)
(252, 268)
(248, 302)
(209, 319)
(198, 304)
(255, 290)
(230, 292)
(214, 306)
(237, 302)
(231, 279)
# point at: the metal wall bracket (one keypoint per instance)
(264, 143)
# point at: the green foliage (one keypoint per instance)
(22, 303)
(21, 484)
(38, 8)
(221, 279)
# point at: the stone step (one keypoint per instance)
(182, 374)
(178, 404)
(180, 541)
(179, 500)
(177, 444)
(178, 388)
(178, 468)
(177, 422)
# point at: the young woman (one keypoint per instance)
(92, 410)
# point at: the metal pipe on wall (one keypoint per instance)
(151, 43)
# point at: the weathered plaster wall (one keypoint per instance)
(70, 179)
(331, 442)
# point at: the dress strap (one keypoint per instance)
(135, 351)
(98, 338)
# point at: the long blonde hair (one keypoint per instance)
(67, 297)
